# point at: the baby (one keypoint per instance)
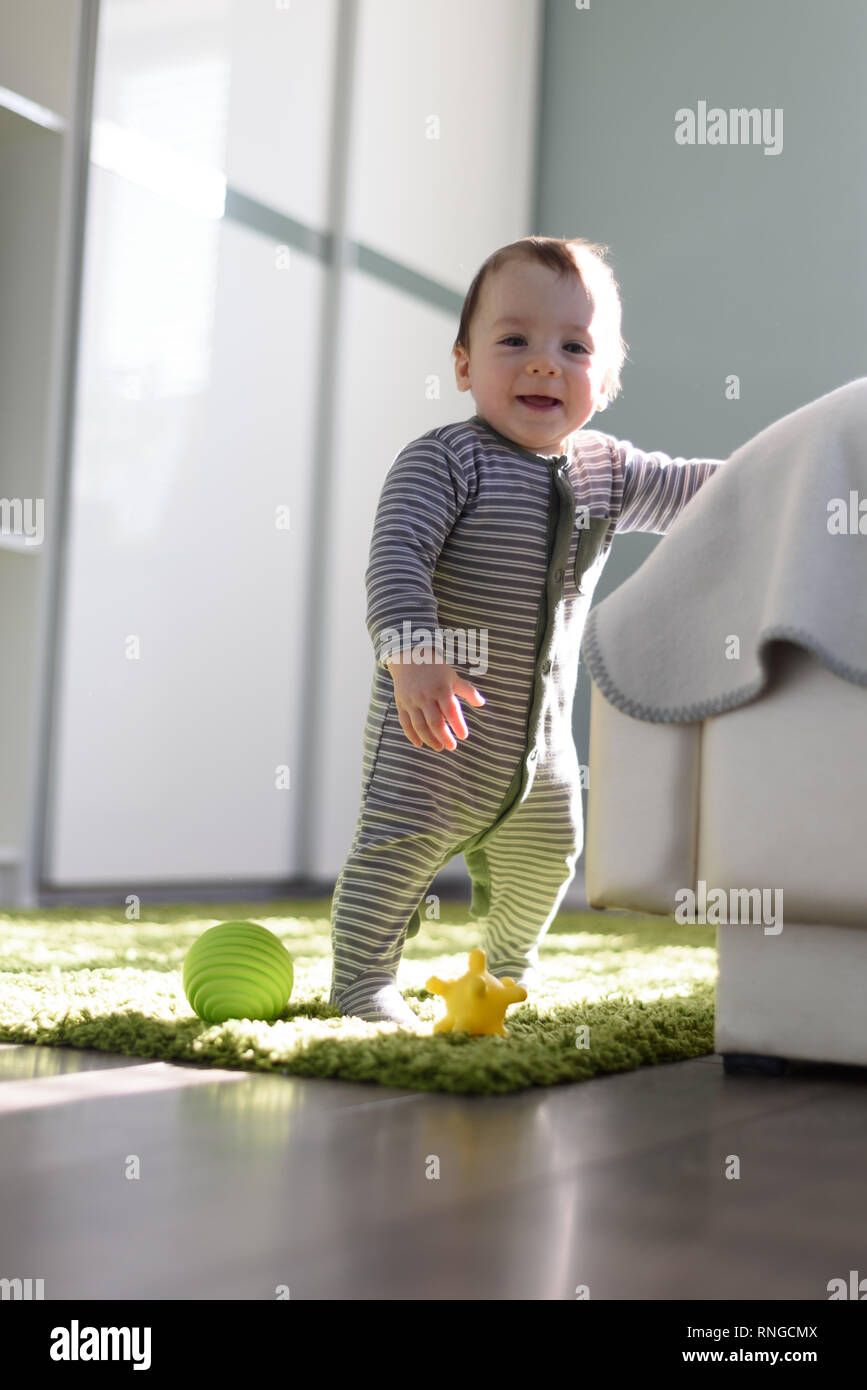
(490, 535)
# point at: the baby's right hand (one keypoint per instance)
(426, 696)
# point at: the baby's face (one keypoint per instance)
(533, 336)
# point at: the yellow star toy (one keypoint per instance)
(475, 1002)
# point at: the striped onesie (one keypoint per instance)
(475, 534)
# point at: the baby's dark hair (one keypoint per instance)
(585, 261)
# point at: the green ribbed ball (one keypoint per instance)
(238, 970)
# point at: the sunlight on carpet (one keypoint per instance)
(643, 987)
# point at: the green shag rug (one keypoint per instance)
(618, 992)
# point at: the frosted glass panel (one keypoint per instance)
(444, 127)
(378, 415)
(184, 600)
(283, 64)
(466, 74)
(246, 88)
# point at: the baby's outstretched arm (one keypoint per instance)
(656, 487)
(428, 703)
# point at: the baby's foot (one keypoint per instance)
(377, 1004)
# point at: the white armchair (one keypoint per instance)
(768, 796)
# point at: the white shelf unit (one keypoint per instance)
(39, 52)
(30, 177)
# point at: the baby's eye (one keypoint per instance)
(517, 338)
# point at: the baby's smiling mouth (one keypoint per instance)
(540, 402)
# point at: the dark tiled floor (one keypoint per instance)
(251, 1181)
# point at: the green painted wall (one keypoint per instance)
(730, 261)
